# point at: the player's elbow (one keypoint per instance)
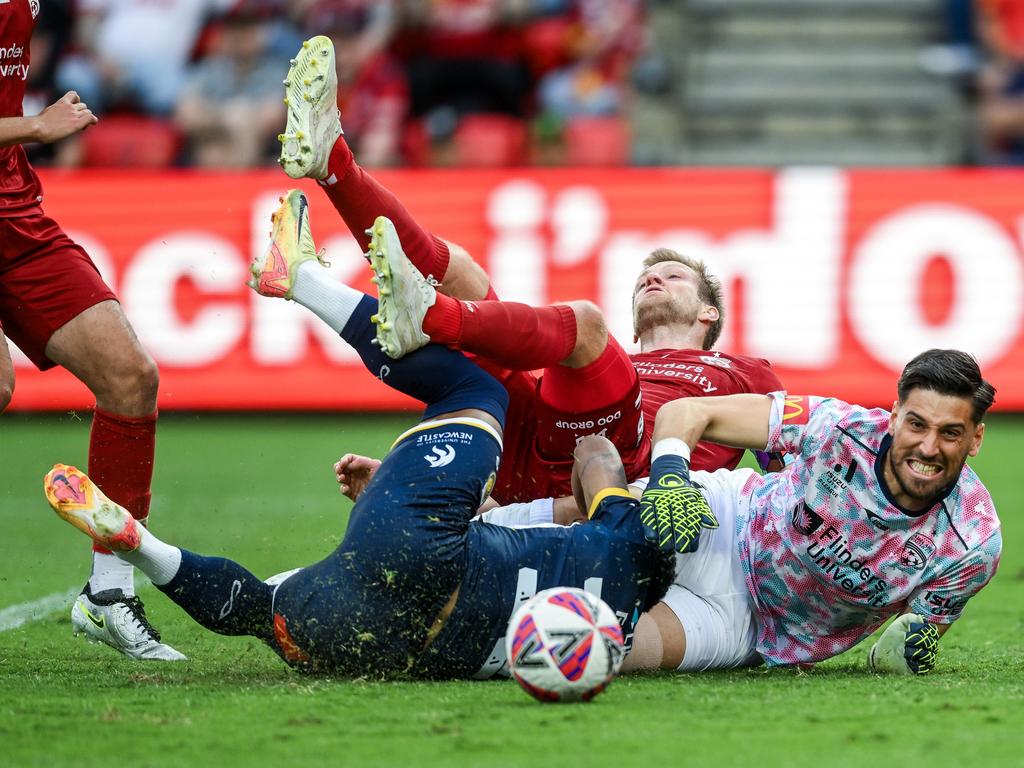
(593, 447)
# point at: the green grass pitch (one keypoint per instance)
(261, 490)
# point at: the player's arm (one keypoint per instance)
(741, 421)
(66, 116)
(596, 468)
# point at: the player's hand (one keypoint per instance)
(66, 116)
(909, 646)
(354, 473)
(672, 509)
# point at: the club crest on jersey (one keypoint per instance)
(916, 552)
(716, 359)
(33, 5)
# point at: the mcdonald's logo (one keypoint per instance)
(797, 409)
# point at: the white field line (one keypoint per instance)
(14, 616)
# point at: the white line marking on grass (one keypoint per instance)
(22, 613)
(13, 616)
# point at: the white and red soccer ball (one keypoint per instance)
(564, 644)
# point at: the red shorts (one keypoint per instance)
(536, 461)
(46, 279)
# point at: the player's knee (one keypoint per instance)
(135, 386)
(591, 332)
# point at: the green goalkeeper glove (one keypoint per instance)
(909, 646)
(673, 511)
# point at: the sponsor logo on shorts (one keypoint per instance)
(442, 456)
(600, 421)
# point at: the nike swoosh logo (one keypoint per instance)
(100, 623)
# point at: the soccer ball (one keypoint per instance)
(564, 644)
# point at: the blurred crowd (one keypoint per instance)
(985, 49)
(422, 82)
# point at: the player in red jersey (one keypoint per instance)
(589, 384)
(55, 306)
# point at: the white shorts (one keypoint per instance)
(709, 596)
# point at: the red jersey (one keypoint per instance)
(668, 374)
(20, 190)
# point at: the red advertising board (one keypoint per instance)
(838, 277)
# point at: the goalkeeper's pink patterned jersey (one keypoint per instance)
(828, 555)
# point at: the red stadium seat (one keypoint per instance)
(597, 141)
(491, 141)
(130, 141)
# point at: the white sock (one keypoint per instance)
(324, 296)
(670, 446)
(111, 572)
(154, 558)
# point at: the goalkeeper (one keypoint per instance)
(878, 516)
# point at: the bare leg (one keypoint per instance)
(6, 373)
(658, 643)
(100, 348)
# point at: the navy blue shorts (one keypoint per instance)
(366, 609)
(609, 556)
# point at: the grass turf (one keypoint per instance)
(260, 489)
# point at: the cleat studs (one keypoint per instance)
(291, 62)
(286, 82)
(374, 319)
(286, 102)
(305, 43)
(306, 97)
(307, 82)
(385, 326)
(385, 291)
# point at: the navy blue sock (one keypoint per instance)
(442, 378)
(222, 596)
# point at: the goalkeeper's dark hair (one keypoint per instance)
(663, 573)
(948, 372)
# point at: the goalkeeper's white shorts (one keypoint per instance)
(709, 596)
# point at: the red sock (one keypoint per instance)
(360, 199)
(596, 385)
(516, 336)
(121, 460)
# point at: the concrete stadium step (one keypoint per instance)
(843, 153)
(806, 61)
(761, 91)
(885, 126)
(800, 30)
(887, 7)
